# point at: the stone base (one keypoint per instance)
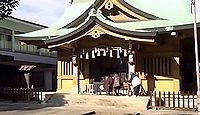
(74, 90)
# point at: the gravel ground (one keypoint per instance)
(86, 105)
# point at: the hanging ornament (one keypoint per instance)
(104, 52)
(120, 49)
(95, 50)
(98, 52)
(111, 55)
(93, 53)
(131, 58)
(87, 55)
(83, 51)
(118, 55)
(81, 56)
(74, 60)
(125, 53)
(107, 49)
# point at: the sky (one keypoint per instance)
(198, 7)
(47, 12)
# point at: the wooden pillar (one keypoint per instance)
(59, 75)
(48, 80)
(13, 41)
(131, 60)
(75, 79)
(27, 78)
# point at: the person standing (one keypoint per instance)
(116, 84)
(106, 84)
(135, 82)
(110, 84)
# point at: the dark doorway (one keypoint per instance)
(11, 77)
(104, 65)
(188, 65)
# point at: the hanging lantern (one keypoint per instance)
(131, 58)
(93, 54)
(98, 52)
(111, 55)
(74, 60)
(87, 55)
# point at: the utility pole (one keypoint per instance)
(196, 54)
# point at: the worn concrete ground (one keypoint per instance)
(80, 105)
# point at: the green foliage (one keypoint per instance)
(7, 6)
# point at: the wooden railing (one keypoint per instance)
(25, 94)
(173, 100)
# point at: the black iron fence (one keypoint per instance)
(17, 94)
(173, 100)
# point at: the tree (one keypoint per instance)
(7, 6)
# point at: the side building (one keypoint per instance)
(14, 54)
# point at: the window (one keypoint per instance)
(66, 68)
(5, 41)
(157, 65)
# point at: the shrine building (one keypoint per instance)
(94, 38)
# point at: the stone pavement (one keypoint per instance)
(80, 107)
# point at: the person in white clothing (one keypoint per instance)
(135, 83)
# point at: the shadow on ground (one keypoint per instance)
(53, 100)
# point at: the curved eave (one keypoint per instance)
(144, 14)
(74, 34)
(186, 26)
(64, 22)
(90, 24)
(24, 38)
(174, 28)
(39, 43)
(98, 3)
(33, 41)
(83, 16)
(135, 33)
(38, 34)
